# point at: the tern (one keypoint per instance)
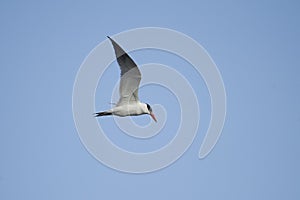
(129, 103)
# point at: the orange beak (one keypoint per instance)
(153, 116)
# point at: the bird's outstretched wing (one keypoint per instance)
(130, 76)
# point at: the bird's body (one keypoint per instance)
(131, 109)
(129, 103)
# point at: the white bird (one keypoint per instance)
(129, 103)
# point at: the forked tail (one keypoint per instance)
(99, 114)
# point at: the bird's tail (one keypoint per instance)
(99, 114)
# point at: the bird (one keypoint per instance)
(129, 103)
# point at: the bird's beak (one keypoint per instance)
(153, 116)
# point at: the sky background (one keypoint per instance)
(255, 45)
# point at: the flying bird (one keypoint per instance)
(129, 103)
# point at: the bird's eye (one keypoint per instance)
(149, 108)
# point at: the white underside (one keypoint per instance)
(136, 108)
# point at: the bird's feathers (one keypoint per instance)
(99, 114)
(130, 76)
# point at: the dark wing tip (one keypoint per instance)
(108, 37)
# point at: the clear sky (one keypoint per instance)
(255, 45)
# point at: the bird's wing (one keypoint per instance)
(130, 76)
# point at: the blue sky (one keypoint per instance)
(255, 46)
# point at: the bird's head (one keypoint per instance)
(150, 112)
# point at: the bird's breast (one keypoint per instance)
(128, 110)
